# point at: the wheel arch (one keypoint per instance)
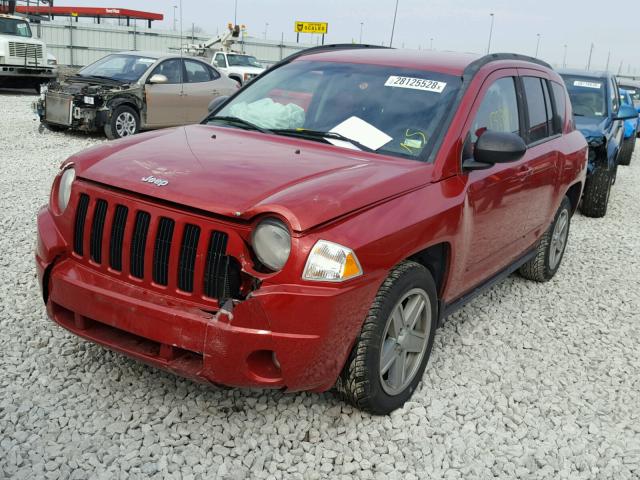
(436, 259)
(236, 76)
(574, 193)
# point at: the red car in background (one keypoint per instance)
(321, 223)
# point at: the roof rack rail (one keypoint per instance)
(329, 48)
(494, 57)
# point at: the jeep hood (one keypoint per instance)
(592, 128)
(242, 174)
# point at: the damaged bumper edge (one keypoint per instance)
(294, 337)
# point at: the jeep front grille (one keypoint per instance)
(165, 251)
(25, 50)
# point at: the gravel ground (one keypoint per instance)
(528, 381)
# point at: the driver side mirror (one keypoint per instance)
(158, 78)
(216, 102)
(495, 147)
(626, 112)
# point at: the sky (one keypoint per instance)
(454, 25)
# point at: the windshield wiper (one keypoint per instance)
(241, 122)
(577, 114)
(319, 135)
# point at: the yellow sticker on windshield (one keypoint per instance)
(415, 83)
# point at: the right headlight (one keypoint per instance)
(272, 243)
(64, 188)
(330, 262)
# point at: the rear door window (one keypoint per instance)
(197, 72)
(537, 105)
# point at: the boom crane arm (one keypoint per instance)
(220, 43)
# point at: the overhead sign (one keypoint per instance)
(320, 28)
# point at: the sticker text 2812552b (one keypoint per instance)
(415, 83)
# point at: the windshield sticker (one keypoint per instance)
(415, 83)
(580, 83)
(362, 132)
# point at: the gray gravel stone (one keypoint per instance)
(531, 381)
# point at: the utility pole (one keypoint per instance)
(175, 7)
(590, 53)
(620, 68)
(235, 14)
(564, 58)
(393, 27)
(490, 33)
(431, 43)
(606, 69)
(537, 45)
(361, 25)
(266, 27)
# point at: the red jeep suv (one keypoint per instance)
(319, 225)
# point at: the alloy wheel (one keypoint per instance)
(559, 239)
(125, 124)
(404, 341)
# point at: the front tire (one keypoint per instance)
(124, 122)
(626, 151)
(390, 355)
(551, 247)
(596, 193)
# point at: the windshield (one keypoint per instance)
(588, 95)
(121, 68)
(634, 92)
(12, 26)
(391, 110)
(243, 61)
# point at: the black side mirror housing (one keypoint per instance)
(216, 102)
(495, 147)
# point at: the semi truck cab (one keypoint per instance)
(24, 61)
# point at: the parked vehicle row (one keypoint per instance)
(319, 225)
(600, 116)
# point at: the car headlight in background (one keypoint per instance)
(330, 262)
(52, 61)
(272, 243)
(64, 189)
(88, 100)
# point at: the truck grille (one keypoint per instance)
(23, 50)
(58, 108)
(165, 251)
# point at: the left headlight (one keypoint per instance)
(64, 188)
(331, 262)
(272, 243)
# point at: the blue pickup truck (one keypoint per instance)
(600, 116)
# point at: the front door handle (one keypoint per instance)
(524, 172)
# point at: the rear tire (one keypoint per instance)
(551, 247)
(124, 122)
(596, 193)
(390, 354)
(626, 151)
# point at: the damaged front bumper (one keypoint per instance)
(293, 337)
(65, 111)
